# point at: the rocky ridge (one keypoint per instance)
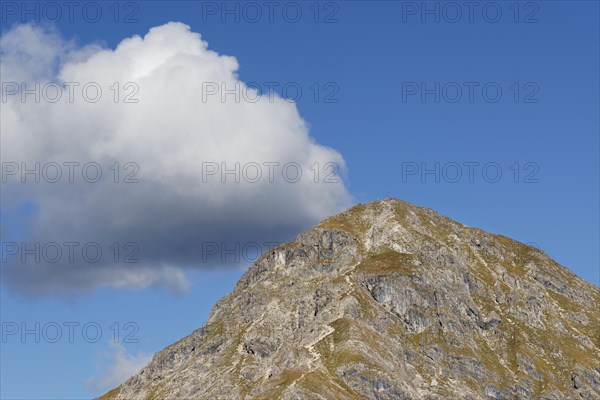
(388, 300)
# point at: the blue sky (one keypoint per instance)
(370, 63)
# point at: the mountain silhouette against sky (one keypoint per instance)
(388, 300)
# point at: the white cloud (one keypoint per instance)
(31, 53)
(169, 133)
(115, 368)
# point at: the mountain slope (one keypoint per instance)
(390, 301)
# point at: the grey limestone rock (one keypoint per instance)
(388, 300)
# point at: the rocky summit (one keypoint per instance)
(388, 300)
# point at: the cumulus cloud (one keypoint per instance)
(115, 367)
(31, 53)
(170, 142)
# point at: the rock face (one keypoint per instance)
(390, 301)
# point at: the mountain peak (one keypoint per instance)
(388, 300)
